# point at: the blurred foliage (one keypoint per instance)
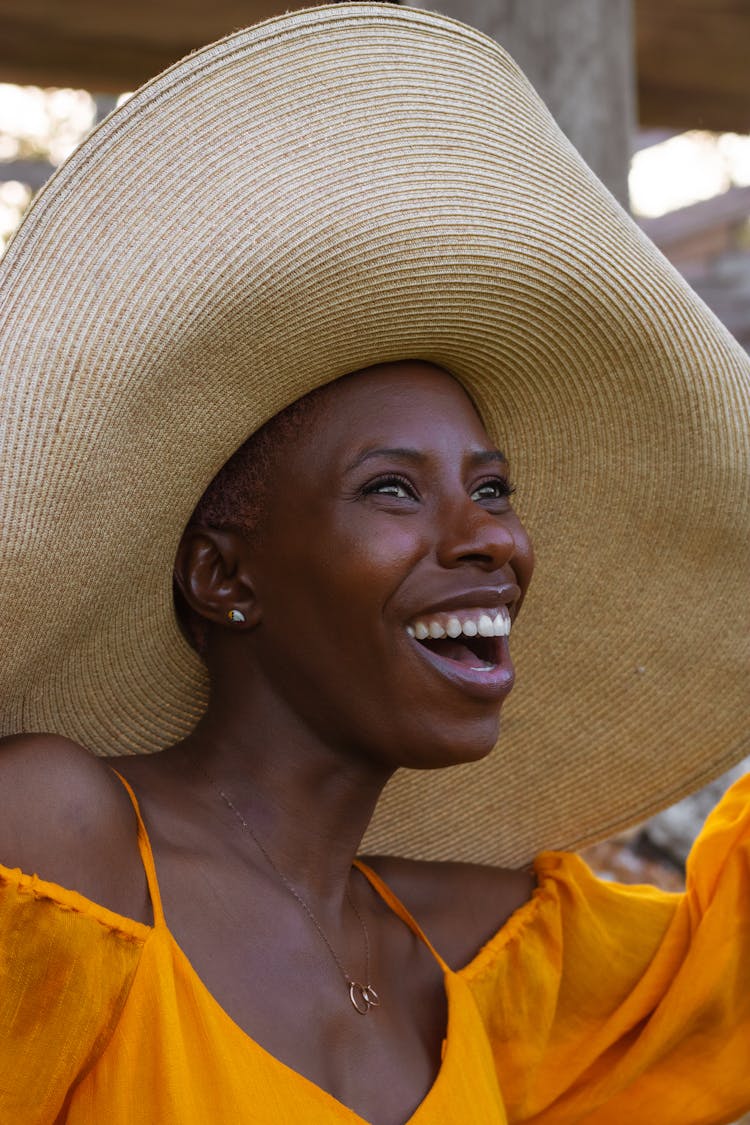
(36, 125)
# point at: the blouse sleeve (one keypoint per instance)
(613, 1004)
(66, 966)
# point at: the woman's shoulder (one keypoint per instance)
(460, 906)
(66, 818)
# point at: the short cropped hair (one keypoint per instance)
(237, 498)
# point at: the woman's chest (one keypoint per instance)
(271, 980)
(177, 1058)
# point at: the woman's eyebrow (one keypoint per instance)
(417, 456)
(487, 457)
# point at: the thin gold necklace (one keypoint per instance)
(362, 996)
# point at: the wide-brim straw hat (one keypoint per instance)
(335, 188)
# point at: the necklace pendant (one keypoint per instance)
(363, 997)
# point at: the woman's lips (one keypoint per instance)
(483, 678)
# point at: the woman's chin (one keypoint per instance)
(467, 745)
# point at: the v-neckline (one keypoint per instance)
(161, 930)
(247, 1043)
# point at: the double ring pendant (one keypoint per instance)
(363, 997)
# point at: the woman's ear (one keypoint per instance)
(212, 571)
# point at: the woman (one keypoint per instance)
(387, 198)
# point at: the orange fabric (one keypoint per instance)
(595, 1003)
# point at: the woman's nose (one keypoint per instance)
(471, 534)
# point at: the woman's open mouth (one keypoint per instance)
(468, 646)
(480, 653)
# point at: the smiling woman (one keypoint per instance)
(261, 546)
(387, 513)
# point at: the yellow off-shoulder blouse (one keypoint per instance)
(595, 1003)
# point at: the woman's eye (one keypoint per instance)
(391, 486)
(496, 489)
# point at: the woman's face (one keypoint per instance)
(390, 519)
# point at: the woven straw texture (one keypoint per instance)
(334, 188)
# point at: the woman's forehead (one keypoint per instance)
(409, 390)
(409, 411)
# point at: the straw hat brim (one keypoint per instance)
(334, 188)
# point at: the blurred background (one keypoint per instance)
(654, 93)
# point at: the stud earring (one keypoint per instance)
(236, 616)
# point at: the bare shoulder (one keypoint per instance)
(65, 817)
(460, 906)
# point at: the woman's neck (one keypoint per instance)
(307, 803)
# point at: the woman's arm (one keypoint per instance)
(616, 1004)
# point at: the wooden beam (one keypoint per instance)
(692, 55)
(694, 64)
(676, 231)
(112, 47)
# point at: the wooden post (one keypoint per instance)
(579, 54)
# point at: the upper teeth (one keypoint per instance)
(485, 622)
